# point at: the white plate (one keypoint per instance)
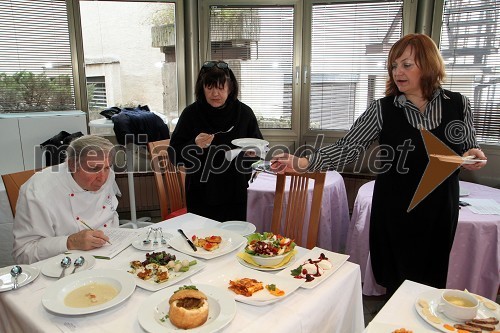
(266, 269)
(433, 298)
(262, 297)
(174, 277)
(221, 310)
(336, 259)
(29, 274)
(249, 142)
(139, 244)
(458, 159)
(240, 227)
(230, 242)
(53, 298)
(375, 327)
(473, 161)
(463, 192)
(52, 267)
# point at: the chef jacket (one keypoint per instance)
(49, 209)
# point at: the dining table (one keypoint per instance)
(334, 216)
(335, 305)
(475, 255)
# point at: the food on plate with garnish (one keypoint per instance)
(312, 268)
(209, 243)
(158, 266)
(90, 295)
(402, 330)
(245, 286)
(188, 307)
(273, 290)
(487, 324)
(268, 249)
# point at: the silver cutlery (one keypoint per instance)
(188, 240)
(155, 242)
(222, 132)
(147, 241)
(65, 263)
(163, 240)
(78, 263)
(15, 272)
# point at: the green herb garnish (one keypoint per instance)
(297, 271)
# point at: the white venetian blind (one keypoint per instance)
(470, 45)
(349, 47)
(257, 43)
(35, 58)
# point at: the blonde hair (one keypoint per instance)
(427, 58)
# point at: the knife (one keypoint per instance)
(188, 240)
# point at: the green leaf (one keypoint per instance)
(297, 271)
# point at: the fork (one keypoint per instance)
(222, 132)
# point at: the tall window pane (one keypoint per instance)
(35, 57)
(470, 44)
(129, 50)
(349, 47)
(257, 43)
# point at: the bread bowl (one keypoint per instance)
(188, 308)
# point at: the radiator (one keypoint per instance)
(352, 184)
(146, 195)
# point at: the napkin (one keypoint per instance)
(248, 258)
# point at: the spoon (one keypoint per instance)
(222, 132)
(78, 263)
(15, 272)
(163, 240)
(155, 242)
(65, 263)
(147, 241)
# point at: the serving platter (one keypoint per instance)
(153, 311)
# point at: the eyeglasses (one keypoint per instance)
(219, 64)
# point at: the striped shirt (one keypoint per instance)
(366, 130)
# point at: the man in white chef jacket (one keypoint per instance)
(53, 203)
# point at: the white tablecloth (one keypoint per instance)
(334, 219)
(333, 306)
(475, 255)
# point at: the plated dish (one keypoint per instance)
(54, 297)
(335, 259)
(230, 242)
(261, 297)
(173, 276)
(427, 306)
(28, 275)
(375, 327)
(249, 142)
(152, 312)
(52, 268)
(267, 269)
(240, 227)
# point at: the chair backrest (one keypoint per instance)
(296, 205)
(13, 182)
(169, 179)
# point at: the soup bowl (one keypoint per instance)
(459, 305)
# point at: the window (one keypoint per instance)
(349, 47)
(257, 43)
(129, 49)
(470, 44)
(35, 57)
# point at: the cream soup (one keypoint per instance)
(459, 301)
(90, 295)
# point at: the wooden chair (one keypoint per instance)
(13, 182)
(169, 181)
(292, 225)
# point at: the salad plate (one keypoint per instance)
(230, 242)
(138, 243)
(55, 294)
(174, 277)
(241, 227)
(249, 142)
(52, 267)
(335, 259)
(28, 275)
(260, 298)
(427, 306)
(153, 311)
(266, 269)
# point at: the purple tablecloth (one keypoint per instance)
(475, 255)
(334, 219)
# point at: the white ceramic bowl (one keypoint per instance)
(268, 261)
(459, 305)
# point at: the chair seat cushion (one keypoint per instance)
(176, 213)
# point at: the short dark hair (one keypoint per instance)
(216, 77)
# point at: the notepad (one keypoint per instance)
(120, 239)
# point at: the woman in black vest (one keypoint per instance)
(407, 242)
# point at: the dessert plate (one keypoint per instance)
(241, 227)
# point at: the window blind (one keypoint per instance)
(470, 44)
(349, 47)
(35, 56)
(257, 43)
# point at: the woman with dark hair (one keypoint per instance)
(407, 243)
(215, 187)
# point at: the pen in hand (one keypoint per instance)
(89, 227)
